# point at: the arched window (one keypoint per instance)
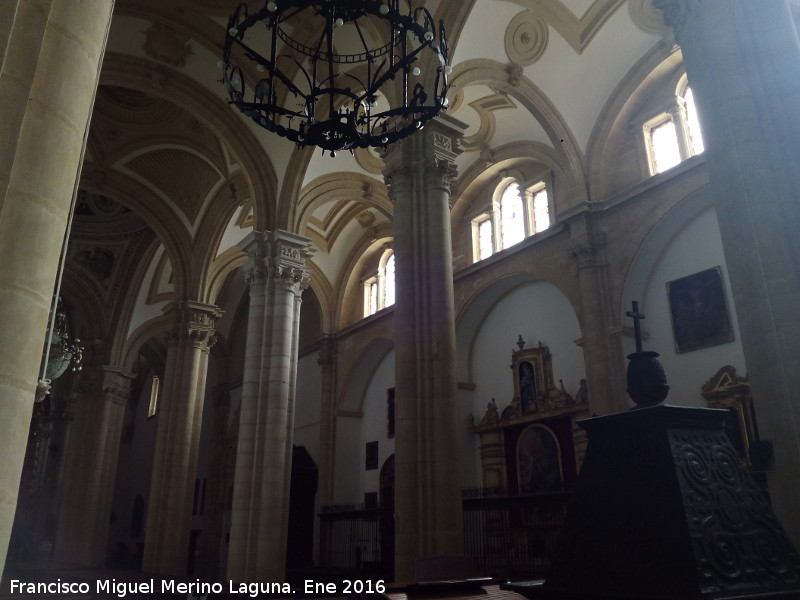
(674, 135)
(379, 290)
(516, 215)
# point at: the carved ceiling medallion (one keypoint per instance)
(526, 38)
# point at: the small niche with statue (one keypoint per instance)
(533, 445)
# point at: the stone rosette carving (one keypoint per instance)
(526, 38)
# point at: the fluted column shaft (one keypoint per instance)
(180, 417)
(742, 61)
(91, 466)
(50, 58)
(428, 520)
(259, 519)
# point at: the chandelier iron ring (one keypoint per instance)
(336, 109)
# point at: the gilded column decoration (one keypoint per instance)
(277, 276)
(178, 437)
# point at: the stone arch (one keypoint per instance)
(494, 74)
(127, 71)
(351, 398)
(613, 128)
(349, 298)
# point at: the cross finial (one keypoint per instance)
(636, 316)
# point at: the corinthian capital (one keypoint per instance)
(278, 257)
(194, 322)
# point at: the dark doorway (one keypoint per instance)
(387, 515)
(300, 542)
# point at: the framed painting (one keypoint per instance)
(699, 311)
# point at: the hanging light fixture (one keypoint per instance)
(337, 74)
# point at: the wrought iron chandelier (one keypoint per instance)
(337, 74)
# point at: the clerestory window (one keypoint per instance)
(379, 290)
(674, 135)
(516, 215)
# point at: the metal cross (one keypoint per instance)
(636, 316)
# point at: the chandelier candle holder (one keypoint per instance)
(59, 355)
(337, 74)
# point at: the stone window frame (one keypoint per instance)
(376, 282)
(676, 112)
(494, 215)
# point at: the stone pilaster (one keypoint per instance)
(277, 276)
(419, 171)
(91, 465)
(327, 434)
(218, 481)
(180, 418)
(48, 77)
(602, 352)
(747, 91)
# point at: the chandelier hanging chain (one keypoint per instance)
(359, 101)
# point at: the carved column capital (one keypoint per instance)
(113, 383)
(438, 143)
(193, 322)
(277, 257)
(675, 13)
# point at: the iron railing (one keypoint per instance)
(512, 537)
(508, 537)
(357, 541)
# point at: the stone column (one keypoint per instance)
(602, 352)
(91, 466)
(327, 434)
(180, 417)
(277, 277)
(428, 520)
(51, 54)
(742, 60)
(215, 491)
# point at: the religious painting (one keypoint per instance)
(538, 461)
(699, 311)
(371, 461)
